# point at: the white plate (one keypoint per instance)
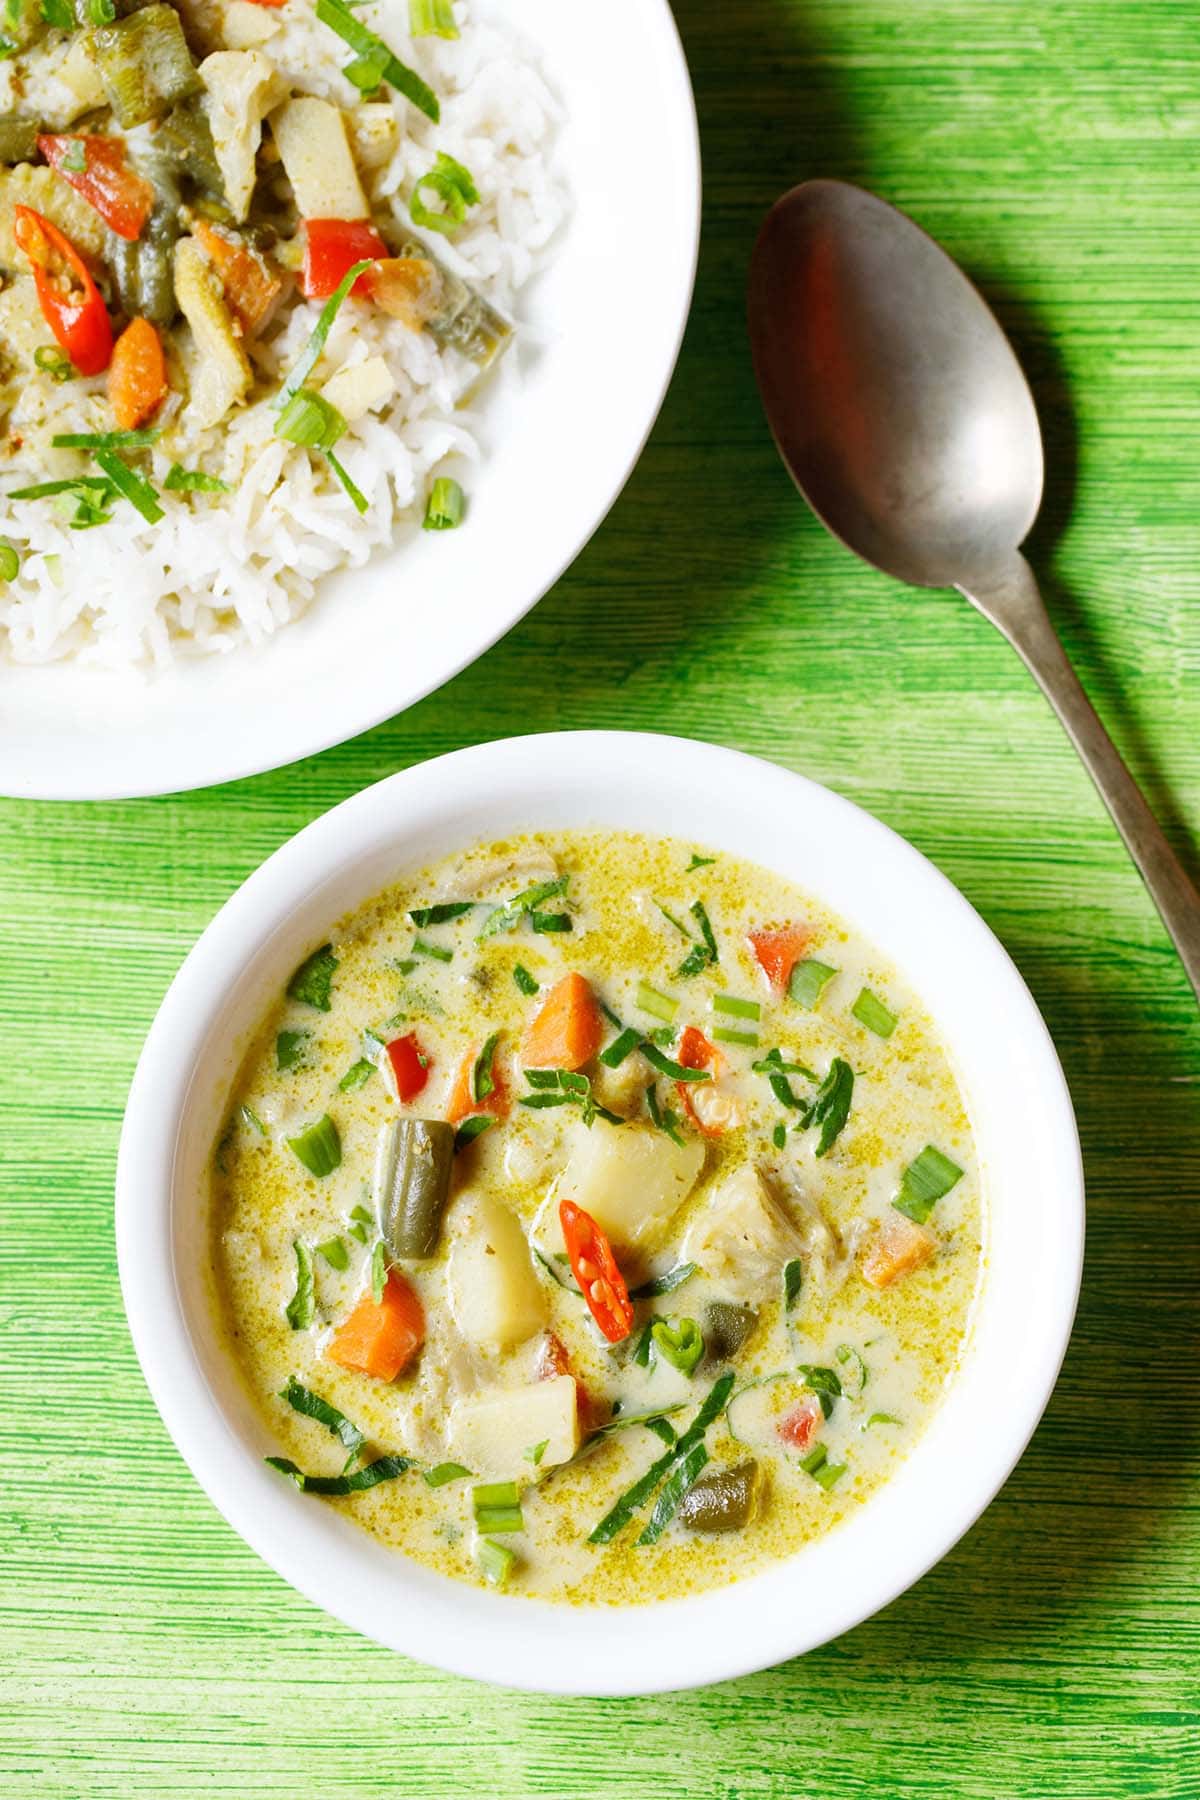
(609, 313)
(1020, 1111)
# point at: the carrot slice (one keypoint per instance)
(567, 1030)
(898, 1248)
(381, 1337)
(780, 950)
(462, 1102)
(137, 375)
(251, 286)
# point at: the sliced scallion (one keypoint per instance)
(723, 1034)
(445, 505)
(132, 486)
(870, 1011)
(316, 343)
(496, 1561)
(193, 481)
(442, 1473)
(318, 1146)
(105, 440)
(358, 498)
(10, 563)
(50, 359)
(623, 1045)
(454, 186)
(431, 18)
(291, 1048)
(657, 1004)
(823, 1472)
(379, 1270)
(808, 982)
(310, 421)
(437, 952)
(406, 81)
(926, 1180)
(735, 1007)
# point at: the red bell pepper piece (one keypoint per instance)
(780, 950)
(96, 168)
(331, 247)
(410, 1066)
(69, 298)
(799, 1427)
(595, 1269)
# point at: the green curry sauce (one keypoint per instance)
(778, 1184)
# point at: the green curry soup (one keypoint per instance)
(596, 1217)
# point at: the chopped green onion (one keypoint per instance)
(678, 1341)
(495, 1493)
(882, 1418)
(823, 1472)
(291, 1049)
(445, 506)
(735, 1007)
(674, 1070)
(310, 421)
(723, 1035)
(316, 343)
(134, 487)
(318, 1146)
(658, 1005)
(808, 982)
(105, 440)
(366, 72)
(302, 1307)
(930, 1176)
(526, 982)
(622, 1046)
(193, 481)
(431, 18)
(503, 918)
(101, 12)
(472, 1128)
(455, 188)
(10, 562)
(825, 1383)
(444, 1472)
(704, 954)
(335, 1253)
(664, 1284)
(496, 1561)
(870, 1011)
(356, 1075)
(356, 494)
(50, 359)
(793, 1280)
(379, 1270)
(406, 81)
(313, 980)
(483, 1078)
(423, 948)
(384, 1468)
(312, 1406)
(699, 862)
(774, 1063)
(441, 912)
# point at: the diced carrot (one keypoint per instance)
(251, 287)
(899, 1247)
(462, 1102)
(799, 1427)
(710, 1111)
(779, 950)
(567, 1030)
(137, 375)
(381, 1337)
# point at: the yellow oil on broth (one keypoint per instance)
(910, 1336)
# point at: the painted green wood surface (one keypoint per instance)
(144, 1651)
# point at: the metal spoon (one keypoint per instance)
(905, 421)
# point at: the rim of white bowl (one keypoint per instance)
(195, 750)
(720, 798)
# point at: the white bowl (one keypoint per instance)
(562, 446)
(1015, 1091)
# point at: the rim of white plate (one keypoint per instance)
(875, 880)
(561, 446)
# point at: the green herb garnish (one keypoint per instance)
(525, 981)
(825, 1384)
(384, 1468)
(831, 1106)
(445, 1472)
(356, 1076)
(675, 1070)
(704, 954)
(291, 1049)
(303, 1400)
(664, 1284)
(483, 1077)
(302, 1307)
(699, 862)
(536, 1452)
(373, 50)
(472, 1128)
(930, 1176)
(193, 481)
(623, 1045)
(335, 1253)
(562, 1087)
(441, 912)
(313, 980)
(664, 1118)
(793, 1280)
(105, 440)
(510, 914)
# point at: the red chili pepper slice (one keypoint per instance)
(410, 1066)
(331, 247)
(595, 1269)
(96, 168)
(69, 298)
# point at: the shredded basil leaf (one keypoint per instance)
(384, 1468)
(303, 1400)
(313, 980)
(302, 1307)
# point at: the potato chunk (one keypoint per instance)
(310, 136)
(219, 371)
(743, 1237)
(491, 1434)
(360, 388)
(630, 1178)
(241, 87)
(898, 1247)
(495, 1295)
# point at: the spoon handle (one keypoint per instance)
(1012, 602)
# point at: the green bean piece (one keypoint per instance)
(726, 1328)
(721, 1500)
(465, 321)
(145, 64)
(413, 1160)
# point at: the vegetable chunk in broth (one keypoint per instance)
(596, 1217)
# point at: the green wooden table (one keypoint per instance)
(143, 1649)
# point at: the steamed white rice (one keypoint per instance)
(219, 571)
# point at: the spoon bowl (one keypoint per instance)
(906, 422)
(892, 392)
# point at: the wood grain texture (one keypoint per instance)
(144, 1650)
